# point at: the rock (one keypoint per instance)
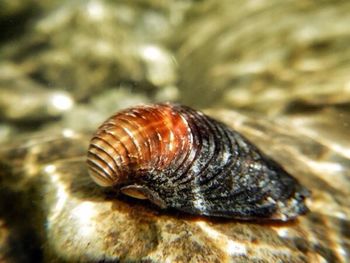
(270, 57)
(83, 222)
(4, 242)
(88, 47)
(23, 100)
(100, 107)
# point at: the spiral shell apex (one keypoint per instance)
(180, 158)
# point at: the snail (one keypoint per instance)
(180, 158)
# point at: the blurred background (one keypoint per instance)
(267, 67)
(82, 60)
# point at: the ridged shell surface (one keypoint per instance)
(180, 158)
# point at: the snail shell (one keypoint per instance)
(180, 158)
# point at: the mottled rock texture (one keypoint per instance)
(79, 221)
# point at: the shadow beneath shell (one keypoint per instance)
(140, 207)
(82, 187)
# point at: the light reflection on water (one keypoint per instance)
(277, 72)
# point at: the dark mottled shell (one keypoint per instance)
(180, 158)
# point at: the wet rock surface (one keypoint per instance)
(79, 221)
(275, 71)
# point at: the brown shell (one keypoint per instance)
(180, 158)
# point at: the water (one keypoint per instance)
(276, 71)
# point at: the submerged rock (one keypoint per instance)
(80, 221)
(4, 242)
(86, 47)
(270, 57)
